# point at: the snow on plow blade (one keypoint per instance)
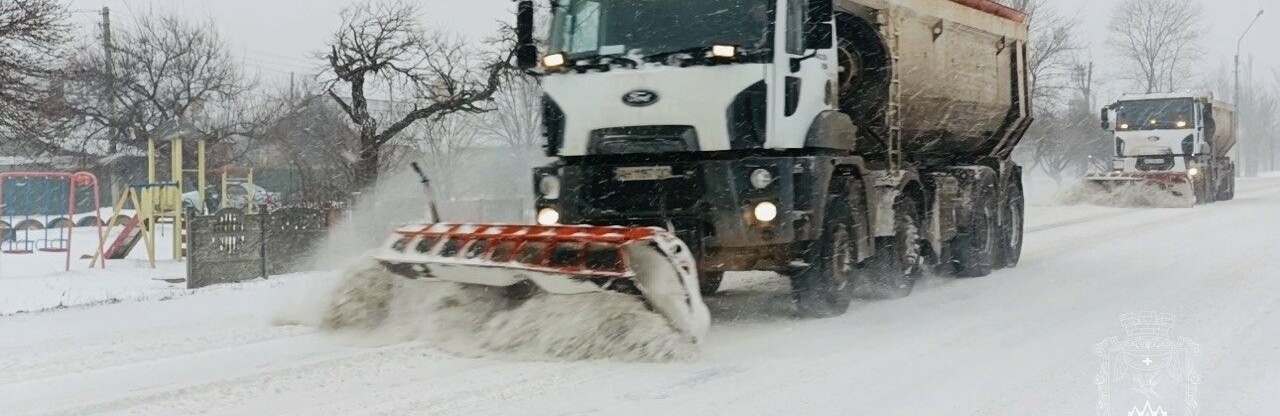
(560, 260)
(1142, 188)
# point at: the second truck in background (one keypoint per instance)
(1177, 142)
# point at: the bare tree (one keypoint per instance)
(31, 33)
(165, 68)
(1054, 45)
(1054, 143)
(1257, 110)
(516, 121)
(311, 135)
(1154, 40)
(444, 145)
(383, 41)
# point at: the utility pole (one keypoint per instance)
(1240, 110)
(109, 68)
(107, 47)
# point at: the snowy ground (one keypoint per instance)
(39, 280)
(1018, 342)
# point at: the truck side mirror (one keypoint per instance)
(526, 49)
(1106, 118)
(817, 24)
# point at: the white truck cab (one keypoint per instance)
(1174, 139)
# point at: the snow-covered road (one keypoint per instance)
(1019, 342)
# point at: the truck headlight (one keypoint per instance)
(1193, 172)
(549, 187)
(766, 211)
(761, 178)
(724, 51)
(554, 60)
(548, 217)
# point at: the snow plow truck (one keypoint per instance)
(1177, 143)
(846, 144)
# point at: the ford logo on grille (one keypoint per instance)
(640, 98)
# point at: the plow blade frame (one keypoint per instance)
(1177, 184)
(562, 260)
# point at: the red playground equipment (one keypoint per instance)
(31, 196)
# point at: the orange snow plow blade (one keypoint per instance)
(649, 263)
(1144, 188)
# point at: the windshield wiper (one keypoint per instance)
(664, 56)
(605, 60)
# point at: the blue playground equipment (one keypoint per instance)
(38, 211)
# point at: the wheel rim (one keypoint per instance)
(911, 257)
(1015, 231)
(989, 230)
(842, 257)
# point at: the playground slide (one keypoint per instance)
(128, 238)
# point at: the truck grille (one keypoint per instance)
(607, 196)
(1155, 163)
(644, 140)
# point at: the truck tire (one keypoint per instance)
(1011, 233)
(899, 261)
(824, 288)
(1227, 188)
(1203, 189)
(709, 282)
(975, 248)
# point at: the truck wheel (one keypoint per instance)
(1226, 189)
(825, 287)
(1011, 233)
(1204, 190)
(892, 273)
(975, 247)
(709, 282)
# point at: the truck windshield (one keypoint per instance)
(1170, 114)
(614, 27)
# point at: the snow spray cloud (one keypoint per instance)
(397, 199)
(1125, 195)
(480, 321)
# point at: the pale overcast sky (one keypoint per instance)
(277, 36)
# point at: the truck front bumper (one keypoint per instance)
(711, 204)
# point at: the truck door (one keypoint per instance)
(799, 85)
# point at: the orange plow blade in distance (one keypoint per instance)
(649, 263)
(1145, 188)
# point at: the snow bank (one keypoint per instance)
(481, 321)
